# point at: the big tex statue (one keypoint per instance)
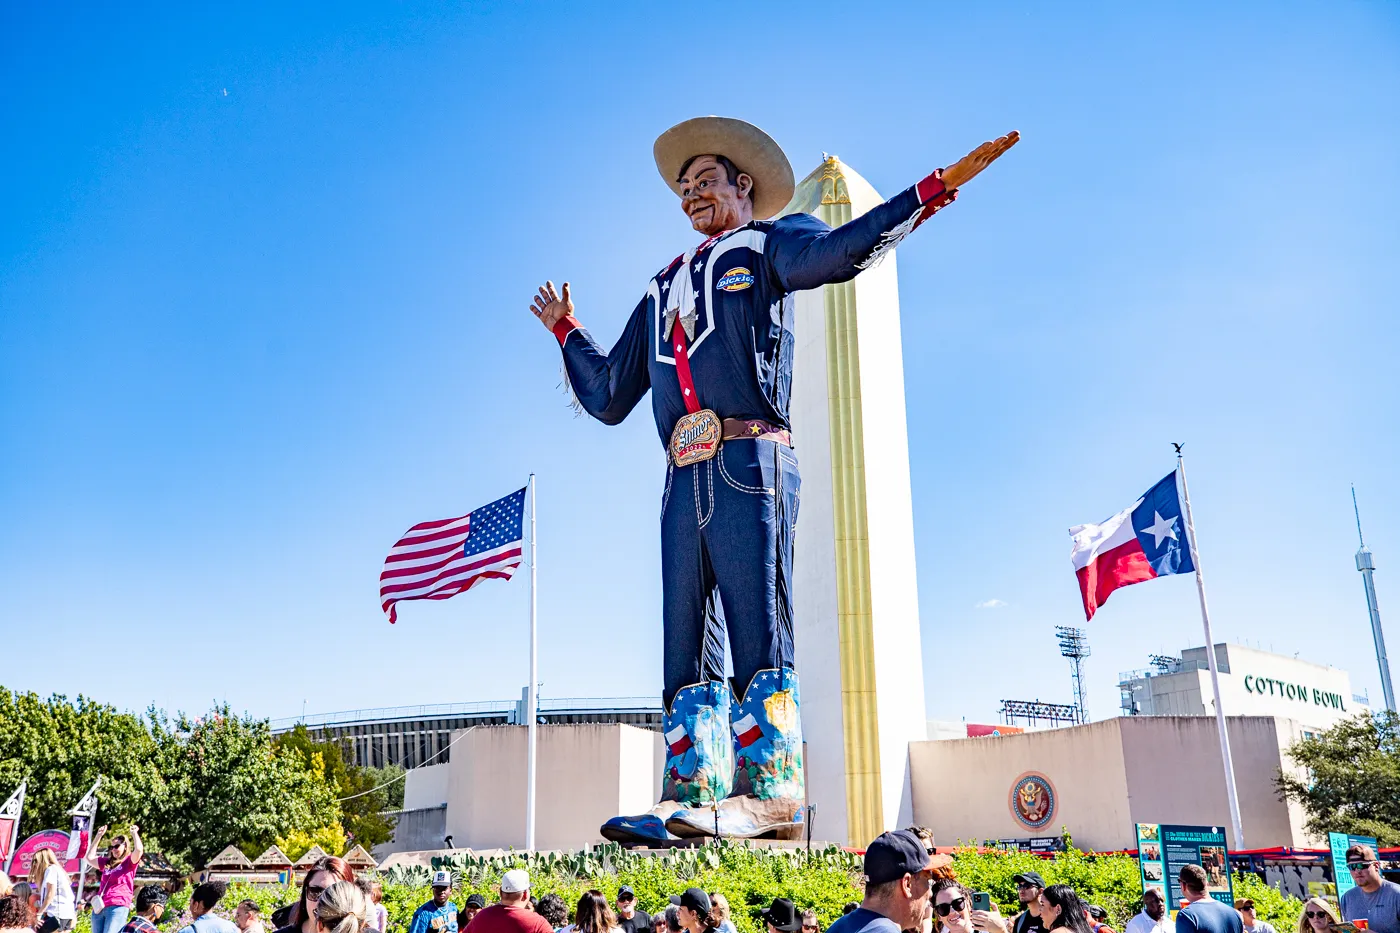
(712, 338)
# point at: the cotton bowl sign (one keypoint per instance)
(55, 839)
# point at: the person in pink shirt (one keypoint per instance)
(118, 868)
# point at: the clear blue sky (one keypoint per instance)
(263, 277)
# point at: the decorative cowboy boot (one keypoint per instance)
(699, 768)
(769, 787)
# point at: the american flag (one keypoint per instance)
(435, 560)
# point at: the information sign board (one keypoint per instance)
(1164, 848)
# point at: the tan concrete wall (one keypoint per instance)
(1109, 775)
(1176, 776)
(962, 787)
(425, 787)
(585, 775)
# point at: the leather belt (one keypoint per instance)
(755, 429)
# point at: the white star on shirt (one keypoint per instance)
(695, 294)
(699, 265)
(666, 285)
(1161, 528)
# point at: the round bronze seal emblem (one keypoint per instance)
(1033, 800)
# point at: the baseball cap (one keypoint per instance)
(515, 881)
(895, 854)
(1030, 877)
(442, 879)
(476, 900)
(696, 900)
(625, 893)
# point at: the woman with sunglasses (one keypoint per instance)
(952, 910)
(1317, 916)
(326, 872)
(1061, 908)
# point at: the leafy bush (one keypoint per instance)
(750, 877)
(1271, 904)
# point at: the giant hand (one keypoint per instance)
(968, 167)
(550, 307)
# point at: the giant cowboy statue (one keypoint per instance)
(712, 338)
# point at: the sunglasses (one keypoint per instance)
(955, 905)
(809, 926)
(1316, 914)
(315, 890)
(1359, 866)
(1022, 885)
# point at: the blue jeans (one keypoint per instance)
(110, 919)
(727, 529)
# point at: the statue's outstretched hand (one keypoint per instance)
(968, 167)
(549, 306)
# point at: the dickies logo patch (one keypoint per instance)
(736, 280)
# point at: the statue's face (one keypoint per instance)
(710, 201)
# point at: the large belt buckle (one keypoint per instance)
(696, 438)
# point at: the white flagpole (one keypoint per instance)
(531, 714)
(1210, 660)
(15, 803)
(88, 807)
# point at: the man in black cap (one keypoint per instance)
(782, 916)
(629, 917)
(898, 879)
(1029, 884)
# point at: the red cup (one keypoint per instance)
(1361, 923)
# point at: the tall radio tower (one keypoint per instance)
(1074, 644)
(1367, 566)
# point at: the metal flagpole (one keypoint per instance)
(1210, 660)
(531, 714)
(87, 807)
(13, 809)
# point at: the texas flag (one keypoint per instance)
(1146, 540)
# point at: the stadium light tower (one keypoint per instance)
(1074, 644)
(1367, 566)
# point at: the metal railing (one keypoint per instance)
(481, 708)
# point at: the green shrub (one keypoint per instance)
(750, 877)
(1271, 904)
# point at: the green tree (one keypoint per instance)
(227, 782)
(362, 800)
(62, 748)
(1353, 778)
(391, 778)
(330, 838)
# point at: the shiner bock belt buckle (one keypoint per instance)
(696, 438)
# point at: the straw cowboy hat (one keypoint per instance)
(750, 149)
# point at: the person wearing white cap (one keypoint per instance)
(439, 915)
(513, 913)
(712, 340)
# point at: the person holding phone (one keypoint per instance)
(959, 910)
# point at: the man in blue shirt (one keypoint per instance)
(898, 878)
(438, 915)
(712, 339)
(1203, 913)
(202, 903)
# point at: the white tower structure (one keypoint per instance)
(855, 596)
(1367, 566)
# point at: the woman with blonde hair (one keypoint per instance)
(341, 909)
(1317, 916)
(57, 909)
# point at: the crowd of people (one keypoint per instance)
(909, 888)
